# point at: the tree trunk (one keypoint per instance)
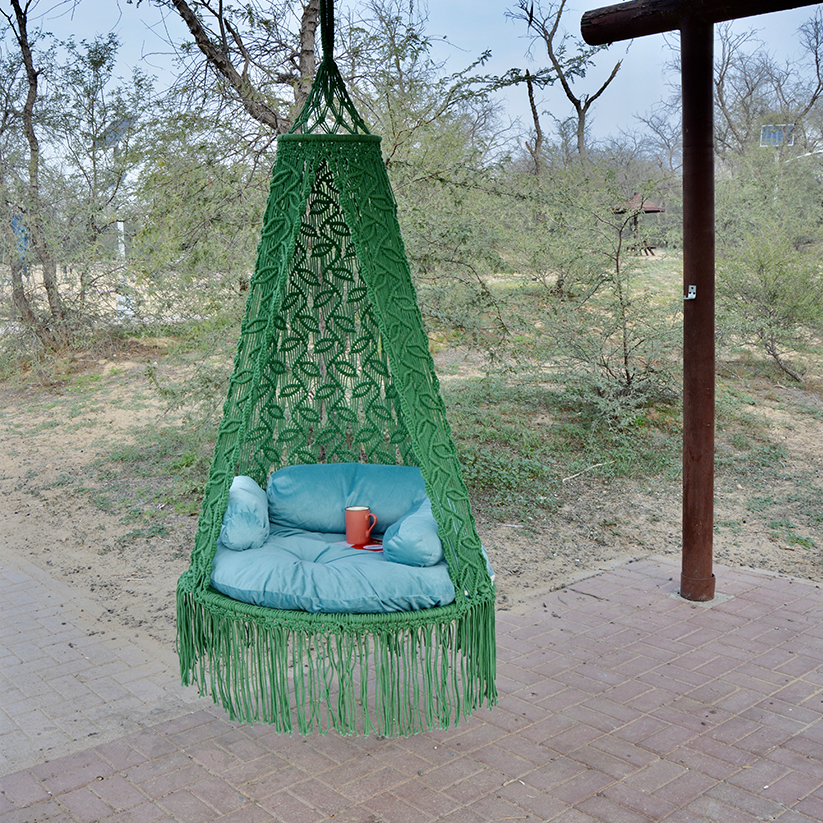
(547, 26)
(219, 58)
(18, 292)
(536, 150)
(307, 64)
(37, 235)
(771, 349)
(581, 133)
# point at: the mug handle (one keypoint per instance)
(373, 524)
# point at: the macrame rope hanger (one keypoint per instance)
(333, 366)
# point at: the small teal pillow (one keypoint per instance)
(246, 521)
(413, 539)
(314, 497)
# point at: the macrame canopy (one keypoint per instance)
(333, 366)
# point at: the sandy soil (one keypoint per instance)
(49, 442)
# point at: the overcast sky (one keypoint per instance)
(641, 82)
(463, 29)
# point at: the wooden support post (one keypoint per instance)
(697, 581)
(695, 19)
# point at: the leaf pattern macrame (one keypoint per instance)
(333, 365)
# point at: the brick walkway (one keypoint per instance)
(620, 703)
(70, 678)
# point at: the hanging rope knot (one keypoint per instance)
(329, 108)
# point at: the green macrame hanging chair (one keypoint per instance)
(333, 366)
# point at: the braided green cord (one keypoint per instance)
(327, 28)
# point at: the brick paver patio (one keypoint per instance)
(70, 677)
(620, 703)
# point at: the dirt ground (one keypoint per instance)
(50, 440)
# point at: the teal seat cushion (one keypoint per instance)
(314, 497)
(319, 572)
(246, 521)
(413, 540)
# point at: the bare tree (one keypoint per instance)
(752, 89)
(740, 90)
(664, 136)
(401, 89)
(811, 40)
(545, 26)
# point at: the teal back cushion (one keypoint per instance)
(315, 497)
(413, 539)
(246, 521)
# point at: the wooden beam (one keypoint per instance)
(638, 18)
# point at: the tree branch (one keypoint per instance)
(538, 139)
(219, 59)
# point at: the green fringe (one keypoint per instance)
(392, 675)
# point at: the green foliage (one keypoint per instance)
(88, 138)
(770, 296)
(769, 282)
(98, 128)
(193, 391)
(519, 442)
(769, 199)
(439, 145)
(197, 389)
(594, 327)
(202, 197)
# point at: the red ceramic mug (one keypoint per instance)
(359, 525)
